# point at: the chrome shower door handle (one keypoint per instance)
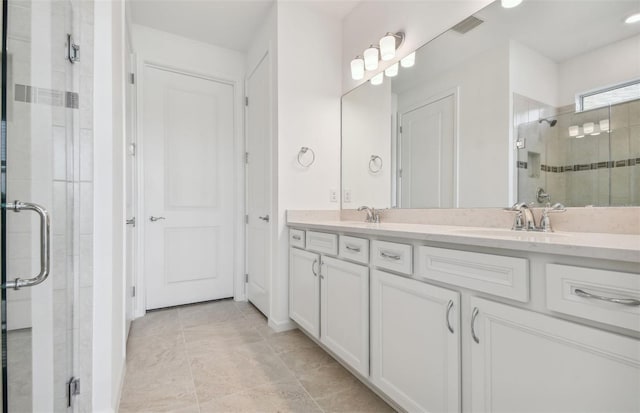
(45, 245)
(265, 218)
(154, 219)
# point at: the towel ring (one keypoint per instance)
(373, 164)
(302, 152)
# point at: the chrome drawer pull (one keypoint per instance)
(354, 249)
(390, 256)
(296, 237)
(624, 301)
(449, 307)
(313, 267)
(474, 315)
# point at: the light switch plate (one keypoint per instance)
(333, 195)
(347, 195)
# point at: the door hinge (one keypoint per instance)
(246, 100)
(133, 291)
(246, 219)
(246, 157)
(246, 278)
(73, 389)
(400, 129)
(132, 149)
(73, 50)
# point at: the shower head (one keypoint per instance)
(551, 123)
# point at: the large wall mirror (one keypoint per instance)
(539, 103)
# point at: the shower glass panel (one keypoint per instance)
(585, 158)
(41, 190)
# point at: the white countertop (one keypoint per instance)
(618, 247)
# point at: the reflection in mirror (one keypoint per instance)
(541, 78)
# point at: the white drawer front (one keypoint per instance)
(493, 274)
(296, 238)
(356, 249)
(392, 256)
(609, 297)
(322, 242)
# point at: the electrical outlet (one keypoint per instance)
(347, 195)
(333, 195)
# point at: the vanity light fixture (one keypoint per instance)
(389, 44)
(377, 79)
(634, 18)
(371, 58)
(392, 70)
(509, 4)
(588, 128)
(574, 130)
(604, 125)
(357, 68)
(409, 60)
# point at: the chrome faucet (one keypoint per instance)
(373, 215)
(526, 221)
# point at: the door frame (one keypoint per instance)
(455, 92)
(140, 305)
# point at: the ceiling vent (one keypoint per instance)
(467, 25)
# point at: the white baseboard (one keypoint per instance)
(280, 326)
(118, 395)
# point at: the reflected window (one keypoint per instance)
(609, 96)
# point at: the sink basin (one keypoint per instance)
(507, 233)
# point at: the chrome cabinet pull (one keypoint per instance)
(131, 221)
(265, 218)
(474, 315)
(313, 267)
(45, 244)
(296, 237)
(354, 249)
(154, 219)
(449, 307)
(624, 301)
(390, 256)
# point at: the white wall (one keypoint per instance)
(607, 66)
(533, 75)
(366, 129)
(172, 51)
(308, 93)
(420, 20)
(108, 321)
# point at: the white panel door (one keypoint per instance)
(426, 155)
(304, 290)
(529, 362)
(415, 343)
(344, 311)
(188, 193)
(131, 182)
(259, 187)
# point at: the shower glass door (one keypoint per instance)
(39, 134)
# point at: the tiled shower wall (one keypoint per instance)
(599, 170)
(49, 147)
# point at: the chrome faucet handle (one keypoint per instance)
(370, 213)
(545, 220)
(518, 224)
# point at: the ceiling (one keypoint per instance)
(226, 23)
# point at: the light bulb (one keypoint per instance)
(588, 128)
(357, 68)
(508, 4)
(574, 130)
(604, 125)
(409, 60)
(377, 79)
(392, 70)
(371, 58)
(388, 47)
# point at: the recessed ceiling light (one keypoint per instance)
(508, 4)
(634, 18)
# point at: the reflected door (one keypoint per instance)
(40, 104)
(426, 156)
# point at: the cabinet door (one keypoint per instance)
(304, 290)
(415, 343)
(345, 311)
(528, 362)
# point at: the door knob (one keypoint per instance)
(154, 219)
(265, 218)
(131, 221)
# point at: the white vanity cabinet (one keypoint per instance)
(304, 290)
(415, 343)
(526, 361)
(344, 311)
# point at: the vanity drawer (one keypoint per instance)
(356, 249)
(609, 297)
(392, 256)
(322, 242)
(493, 274)
(296, 238)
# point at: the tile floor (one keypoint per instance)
(222, 357)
